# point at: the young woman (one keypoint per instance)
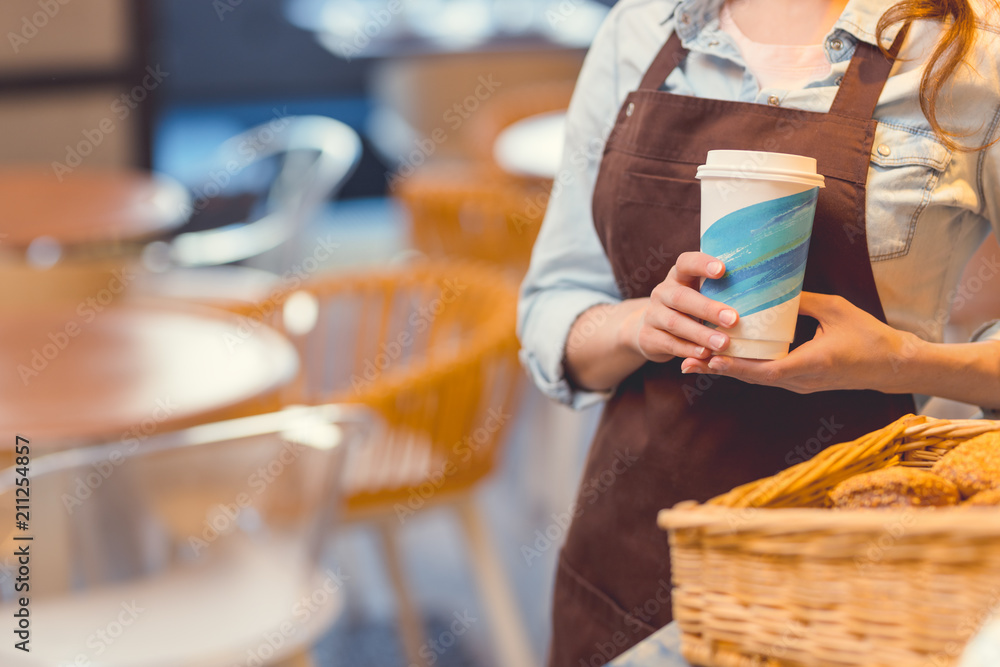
(899, 104)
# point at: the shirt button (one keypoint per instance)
(839, 80)
(714, 42)
(630, 109)
(773, 100)
(836, 44)
(884, 150)
(685, 19)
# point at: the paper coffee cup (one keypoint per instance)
(757, 213)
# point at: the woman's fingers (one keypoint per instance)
(696, 365)
(682, 326)
(691, 302)
(691, 267)
(682, 293)
(821, 306)
(658, 345)
(672, 324)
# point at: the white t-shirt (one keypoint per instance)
(777, 65)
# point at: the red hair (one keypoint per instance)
(950, 52)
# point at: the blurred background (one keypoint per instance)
(258, 273)
(213, 211)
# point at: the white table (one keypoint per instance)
(532, 147)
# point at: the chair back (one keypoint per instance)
(472, 213)
(429, 347)
(476, 210)
(316, 156)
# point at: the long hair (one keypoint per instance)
(949, 54)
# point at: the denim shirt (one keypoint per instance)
(928, 207)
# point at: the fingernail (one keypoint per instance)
(715, 268)
(717, 364)
(728, 317)
(685, 370)
(700, 351)
(717, 341)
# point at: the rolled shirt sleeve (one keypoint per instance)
(988, 331)
(544, 334)
(569, 271)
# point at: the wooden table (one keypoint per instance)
(87, 205)
(125, 372)
(532, 147)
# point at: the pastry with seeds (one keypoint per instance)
(984, 499)
(894, 487)
(973, 466)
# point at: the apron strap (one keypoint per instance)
(670, 56)
(865, 78)
(859, 91)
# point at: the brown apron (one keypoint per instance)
(667, 437)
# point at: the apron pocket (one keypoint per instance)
(904, 170)
(661, 191)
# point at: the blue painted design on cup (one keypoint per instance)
(764, 248)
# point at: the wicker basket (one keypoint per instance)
(766, 576)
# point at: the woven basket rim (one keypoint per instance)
(911, 440)
(768, 574)
(785, 520)
(919, 429)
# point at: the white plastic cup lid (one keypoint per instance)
(761, 165)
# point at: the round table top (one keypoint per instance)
(532, 146)
(87, 205)
(129, 370)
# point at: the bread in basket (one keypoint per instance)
(767, 575)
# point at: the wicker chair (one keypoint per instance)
(474, 209)
(431, 348)
(474, 213)
(509, 106)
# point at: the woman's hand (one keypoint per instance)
(851, 350)
(607, 343)
(670, 324)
